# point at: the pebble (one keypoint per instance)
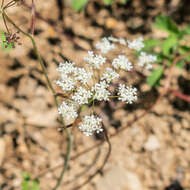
(152, 143)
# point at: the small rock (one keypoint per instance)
(152, 143)
(119, 178)
(111, 23)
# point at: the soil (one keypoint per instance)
(152, 153)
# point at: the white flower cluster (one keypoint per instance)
(81, 96)
(100, 91)
(105, 45)
(68, 110)
(122, 63)
(109, 75)
(95, 61)
(91, 124)
(87, 86)
(127, 94)
(146, 59)
(136, 44)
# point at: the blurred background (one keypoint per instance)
(152, 153)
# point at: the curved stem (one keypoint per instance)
(37, 54)
(69, 137)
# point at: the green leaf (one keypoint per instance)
(108, 2)
(169, 45)
(78, 5)
(183, 50)
(25, 185)
(186, 31)
(124, 1)
(166, 24)
(155, 76)
(180, 64)
(160, 57)
(4, 45)
(29, 184)
(35, 185)
(150, 44)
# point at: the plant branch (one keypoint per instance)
(66, 162)
(69, 137)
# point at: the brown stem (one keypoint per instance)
(179, 95)
(32, 28)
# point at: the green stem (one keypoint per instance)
(66, 163)
(69, 137)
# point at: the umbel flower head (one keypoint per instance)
(91, 83)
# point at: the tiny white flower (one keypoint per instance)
(127, 94)
(104, 45)
(82, 75)
(148, 66)
(91, 124)
(122, 63)
(95, 61)
(68, 110)
(136, 44)
(109, 75)
(146, 59)
(66, 68)
(100, 91)
(81, 96)
(66, 83)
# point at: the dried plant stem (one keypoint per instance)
(69, 137)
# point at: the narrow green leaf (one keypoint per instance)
(166, 24)
(78, 5)
(169, 45)
(155, 76)
(108, 2)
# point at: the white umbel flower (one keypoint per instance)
(66, 68)
(95, 61)
(105, 45)
(146, 59)
(82, 75)
(91, 124)
(121, 62)
(100, 91)
(66, 83)
(81, 96)
(68, 110)
(136, 44)
(127, 94)
(109, 75)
